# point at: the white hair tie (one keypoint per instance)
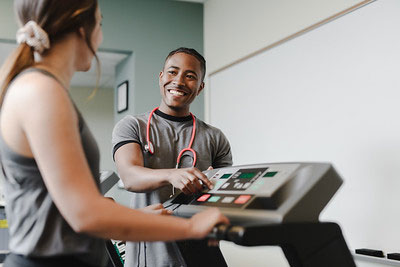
(34, 36)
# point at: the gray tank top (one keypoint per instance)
(35, 224)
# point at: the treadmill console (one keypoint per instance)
(264, 193)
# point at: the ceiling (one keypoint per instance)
(108, 62)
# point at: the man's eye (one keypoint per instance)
(191, 76)
(171, 72)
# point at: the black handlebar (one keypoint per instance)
(227, 232)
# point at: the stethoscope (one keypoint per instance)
(150, 148)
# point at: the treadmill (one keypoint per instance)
(274, 204)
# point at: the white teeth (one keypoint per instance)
(174, 92)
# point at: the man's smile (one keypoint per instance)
(177, 92)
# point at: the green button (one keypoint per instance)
(270, 174)
(218, 183)
(226, 175)
(214, 199)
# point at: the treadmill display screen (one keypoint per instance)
(242, 179)
(247, 175)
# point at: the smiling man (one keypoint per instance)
(147, 148)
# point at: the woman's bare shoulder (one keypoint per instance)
(36, 99)
(37, 90)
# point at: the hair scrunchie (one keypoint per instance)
(34, 36)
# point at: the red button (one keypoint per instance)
(203, 198)
(242, 199)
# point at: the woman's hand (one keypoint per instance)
(156, 209)
(202, 223)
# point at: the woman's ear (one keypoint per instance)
(81, 32)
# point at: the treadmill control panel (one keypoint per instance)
(237, 187)
(270, 191)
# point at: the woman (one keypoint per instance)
(57, 217)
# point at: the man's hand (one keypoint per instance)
(189, 180)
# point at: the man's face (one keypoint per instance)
(180, 83)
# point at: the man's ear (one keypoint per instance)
(200, 88)
(159, 78)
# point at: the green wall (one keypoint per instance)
(149, 29)
(8, 24)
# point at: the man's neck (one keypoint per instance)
(174, 112)
(173, 118)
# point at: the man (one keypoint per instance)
(147, 148)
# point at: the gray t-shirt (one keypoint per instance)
(169, 136)
(36, 226)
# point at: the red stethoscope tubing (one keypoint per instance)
(149, 147)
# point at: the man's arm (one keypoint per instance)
(137, 178)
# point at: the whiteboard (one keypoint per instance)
(331, 94)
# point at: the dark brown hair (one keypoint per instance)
(57, 18)
(192, 52)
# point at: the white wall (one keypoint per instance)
(234, 29)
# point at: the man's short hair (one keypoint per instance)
(192, 52)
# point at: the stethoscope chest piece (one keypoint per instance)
(149, 148)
